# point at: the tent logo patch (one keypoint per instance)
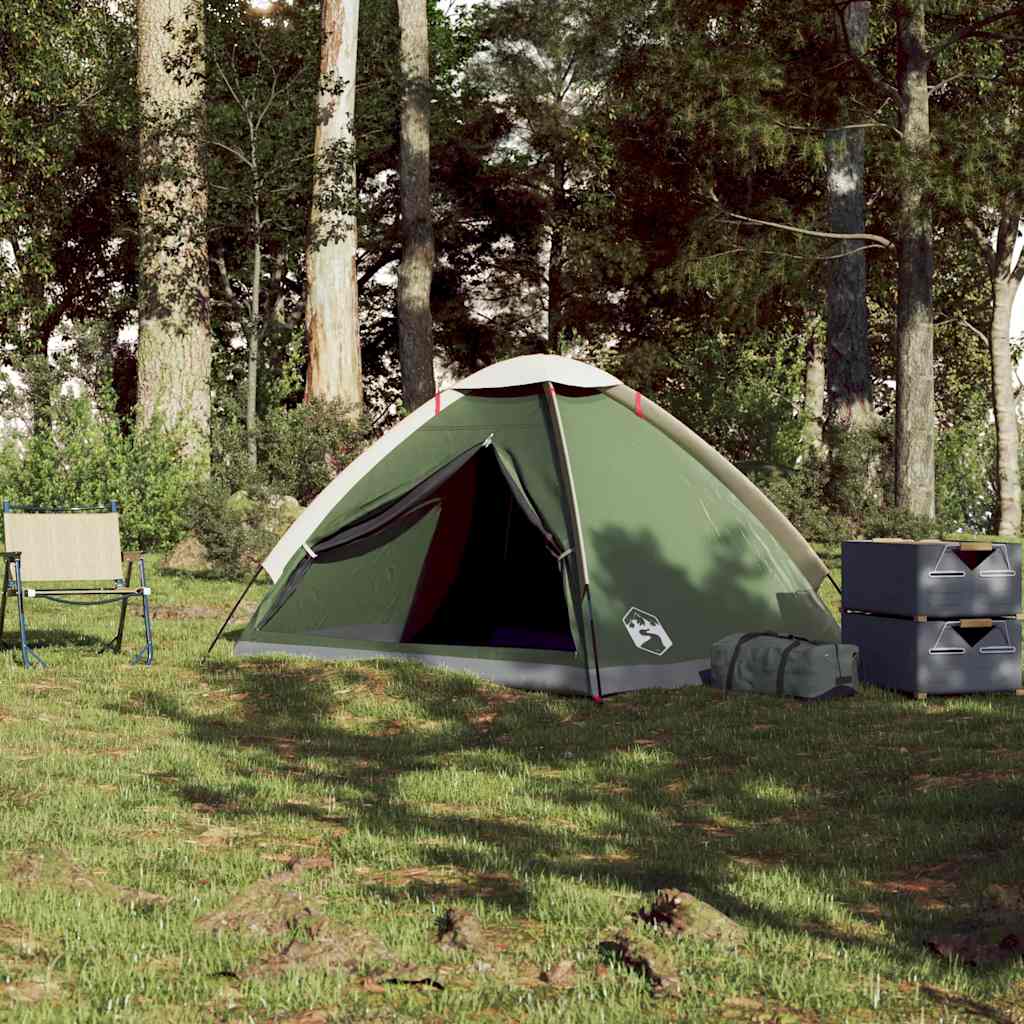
(646, 631)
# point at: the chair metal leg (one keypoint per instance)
(115, 644)
(3, 598)
(147, 651)
(27, 654)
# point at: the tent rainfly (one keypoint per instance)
(545, 526)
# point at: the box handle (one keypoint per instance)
(954, 567)
(943, 645)
(1007, 571)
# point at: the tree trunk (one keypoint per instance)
(556, 258)
(415, 327)
(849, 354)
(174, 277)
(556, 288)
(252, 376)
(814, 389)
(334, 370)
(1006, 280)
(915, 374)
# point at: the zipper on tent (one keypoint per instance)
(583, 574)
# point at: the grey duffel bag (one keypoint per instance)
(784, 665)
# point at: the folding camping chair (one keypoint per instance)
(70, 545)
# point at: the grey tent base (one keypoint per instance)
(527, 675)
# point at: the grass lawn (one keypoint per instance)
(276, 840)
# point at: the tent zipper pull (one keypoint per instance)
(309, 550)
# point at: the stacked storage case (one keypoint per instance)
(934, 617)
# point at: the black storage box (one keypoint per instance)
(932, 578)
(938, 656)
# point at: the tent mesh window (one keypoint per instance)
(488, 579)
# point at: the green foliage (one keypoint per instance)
(232, 526)
(965, 474)
(850, 493)
(300, 450)
(67, 238)
(740, 395)
(86, 459)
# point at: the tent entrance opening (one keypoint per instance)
(488, 579)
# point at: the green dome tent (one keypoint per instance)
(542, 525)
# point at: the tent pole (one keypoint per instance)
(231, 614)
(583, 573)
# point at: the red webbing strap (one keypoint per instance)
(437, 402)
(639, 405)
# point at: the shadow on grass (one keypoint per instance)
(769, 810)
(43, 639)
(803, 817)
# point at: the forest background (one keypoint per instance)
(797, 226)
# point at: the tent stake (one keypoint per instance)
(231, 614)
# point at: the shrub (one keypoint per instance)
(86, 459)
(299, 450)
(965, 476)
(232, 526)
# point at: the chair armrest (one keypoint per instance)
(10, 556)
(132, 556)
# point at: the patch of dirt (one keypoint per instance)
(194, 611)
(459, 929)
(1003, 899)
(708, 828)
(283, 746)
(219, 836)
(560, 975)
(448, 881)
(644, 958)
(366, 677)
(984, 943)
(55, 869)
(31, 990)
(270, 906)
(931, 888)
(925, 782)
(955, 1001)
(762, 862)
(319, 946)
(16, 941)
(681, 914)
(758, 1011)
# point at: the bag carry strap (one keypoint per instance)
(727, 685)
(780, 678)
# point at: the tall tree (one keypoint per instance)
(262, 80)
(849, 354)
(978, 123)
(67, 211)
(334, 370)
(174, 326)
(415, 326)
(915, 371)
(1006, 272)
